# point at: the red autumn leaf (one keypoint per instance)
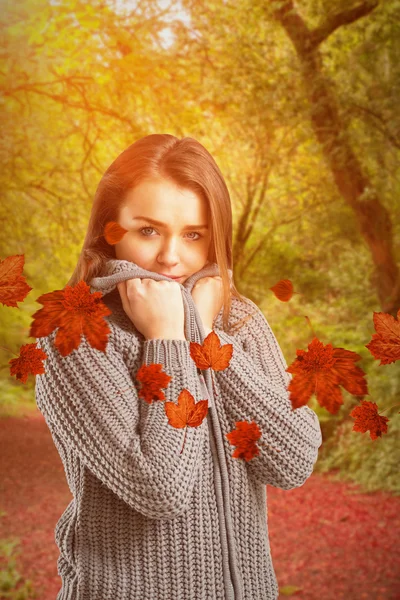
(75, 311)
(113, 233)
(244, 437)
(30, 360)
(211, 353)
(152, 379)
(13, 285)
(385, 343)
(367, 418)
(320, 371)
(283, 290)
(186, 412)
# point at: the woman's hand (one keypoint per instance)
(154, 307)
(207, 294)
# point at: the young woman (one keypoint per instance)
(152, 517)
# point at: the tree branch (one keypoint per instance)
(64, 100)
(306, 40)
(383, 130)
(345, 17)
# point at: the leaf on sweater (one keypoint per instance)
(320, 371)
(186, 412)
(30, 360)
(75, 311)
(13, 285)
(385, 343)
(152, 379)
(180, 415)
(211, 354)
(113, 233)
(283, 290)
(367, 418)
(244, 437)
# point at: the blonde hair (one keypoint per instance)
(186, 163)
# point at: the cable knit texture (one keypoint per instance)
(149, 523)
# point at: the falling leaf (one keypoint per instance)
(76, 312)
(385, 343)
(244, 437)
(30, 360)
(320, 371)
(367, 418)
(211, 353)
(283, 290)
(186, 412)
(13, 285)
(152, 380)
(113, 233)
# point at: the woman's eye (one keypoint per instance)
(143, 228)
(152, 228)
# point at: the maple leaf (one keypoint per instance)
(152, 379)
(30, 360)
(210, 353)
(367, 418)
(75, 311)
(385, 343)
(283, 290)
(186, 412)
(244, 437)
(113, 233)
(320, 371)
(13, 285)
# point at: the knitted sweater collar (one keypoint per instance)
(116, 270)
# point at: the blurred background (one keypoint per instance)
(298, 104)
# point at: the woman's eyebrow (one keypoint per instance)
(160, 224)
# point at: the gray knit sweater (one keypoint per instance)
(149, 523)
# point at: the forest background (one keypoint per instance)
(297, 102)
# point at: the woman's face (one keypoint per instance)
(179, 244)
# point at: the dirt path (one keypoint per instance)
(326, 541)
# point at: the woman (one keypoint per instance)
(159, 512)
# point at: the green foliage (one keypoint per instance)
(12, 584)
(17, 398)
(371, 463)
(374, 464)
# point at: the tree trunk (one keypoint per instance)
(353, 184)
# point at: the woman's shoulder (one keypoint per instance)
(244, 304)
(241, 311)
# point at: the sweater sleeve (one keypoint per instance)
(124, 441)
(254, 388)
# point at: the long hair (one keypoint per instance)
(186, 163)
